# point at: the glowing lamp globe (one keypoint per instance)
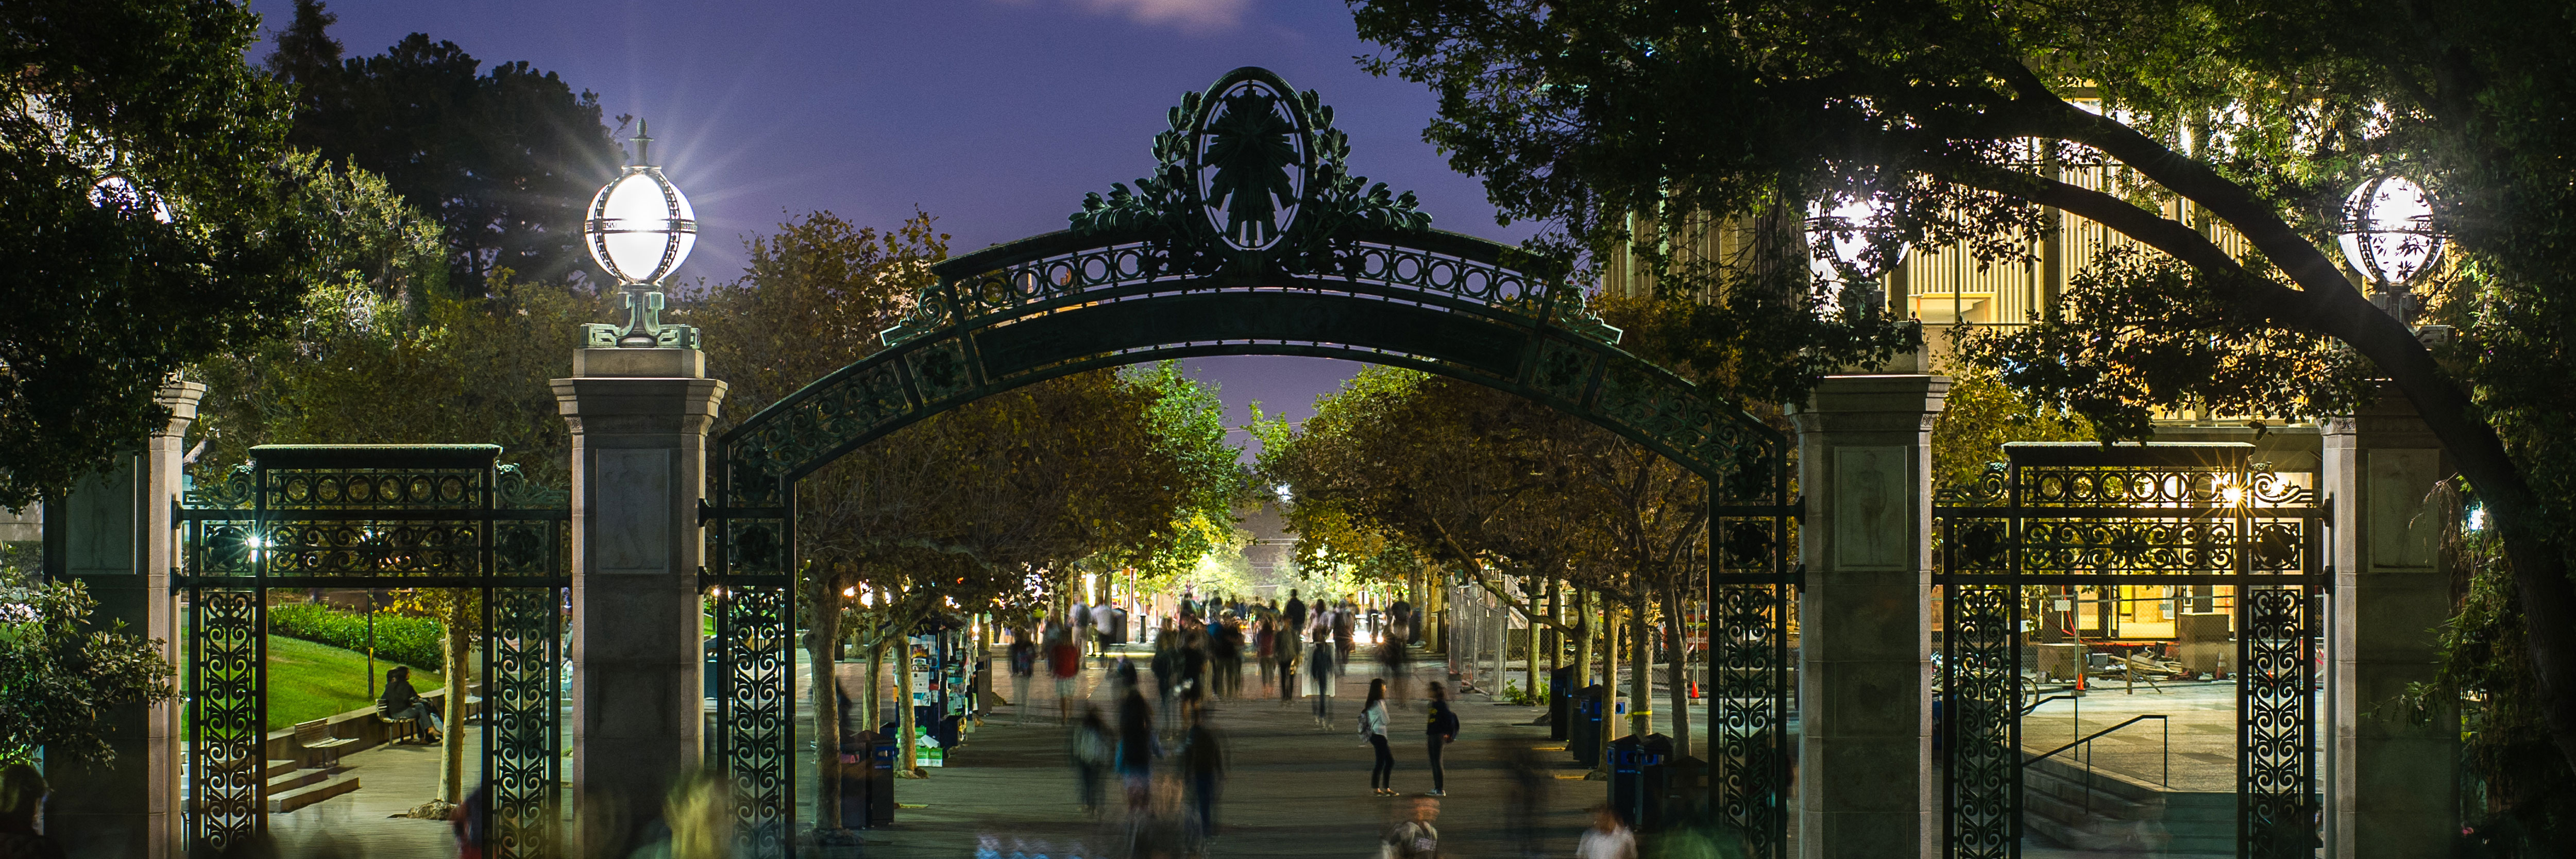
(2387, 232)
(1845, 232)
(639, 230)
(641, 227)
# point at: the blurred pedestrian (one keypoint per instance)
(1262, 641)
(1414, 837)
(1443, 730)
(1137, 749)
(1095, 750)
(1064, 663)
(1373, 731)
(1203, 763)
(22, 795)
(472, 822)
(1344, 633)
(1530, 786)
(1396, 665)
(1608, 838)
(1290, 641)
(1320, 671)
(1024, 667)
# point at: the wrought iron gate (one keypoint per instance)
(2080, 514)
(375, 517)
(1751, 604)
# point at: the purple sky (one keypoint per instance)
(993, 115)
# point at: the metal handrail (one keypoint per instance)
(2086, 741)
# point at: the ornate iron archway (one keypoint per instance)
(2066, 515)
(1251, 238)
(374, 517)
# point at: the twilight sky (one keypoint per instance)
(993, 115)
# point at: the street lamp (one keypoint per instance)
(1857, 248)
(639, 230)
(2388, 237)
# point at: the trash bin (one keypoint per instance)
(1583, 737)
(882, 756)
(1640, 776)
(1560, 702)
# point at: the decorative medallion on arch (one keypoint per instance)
(1251, 236)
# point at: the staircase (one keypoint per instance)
(291, 787)
(2122, 814)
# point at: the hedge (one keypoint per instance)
(414, 641)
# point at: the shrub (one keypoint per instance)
(414, 641)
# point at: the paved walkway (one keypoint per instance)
(1295, 790)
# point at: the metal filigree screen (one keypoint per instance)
(2082, 515)
(445, 519)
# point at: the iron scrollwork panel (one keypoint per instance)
(1980, 718)
(227, 713)
(755, 711)
(1748, 714)
(2276, 761)
(522, 697)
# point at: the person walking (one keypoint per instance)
(1289, 639)
(1320, 671)
(1064, 663)
(1608, 838)
(1024, 668)
(1095, 750)
(1137, 749)
(1344, 633)
(1414, 838)
(1373, 730)
(1443, 730)
(22, 795)
(1262, 640)
(1203, 763)
(1395, 665)
(1296, 613)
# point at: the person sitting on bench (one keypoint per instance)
(401, 702)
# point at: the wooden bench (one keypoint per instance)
(396, 730)
(315, 736)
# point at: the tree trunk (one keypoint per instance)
(1641, 670)
(1536, 626)
(903, 719)
(1611, 727)
(1551, 638)
(876, 678)
(820, 650)
(1676, 685)
(1583, 656)
(460, 677)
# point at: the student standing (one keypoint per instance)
(1443, 731)
(1319, 668)
(1373, 729)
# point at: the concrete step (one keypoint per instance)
(293, 779)
(279, 768)
(2113, 812)
(286, 801)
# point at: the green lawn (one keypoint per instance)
(308, 681)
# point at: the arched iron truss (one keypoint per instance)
(1251, 239)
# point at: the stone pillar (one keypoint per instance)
(2391, 787)
(639, 435)
(117, 537)
(1866, 787)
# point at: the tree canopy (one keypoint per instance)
(505, 159)
(2237, 126)
(138, 165)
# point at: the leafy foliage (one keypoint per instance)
(2215, 118)
(58, 672)
(108, 299)
(415, 641)
(1980, 416)
(504, 159)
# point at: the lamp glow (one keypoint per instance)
(640, 229)
(1856, 247)
(2388, 237)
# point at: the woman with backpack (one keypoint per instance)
(1443, 731)
(1373, 729)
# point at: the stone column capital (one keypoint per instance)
(1871, 404)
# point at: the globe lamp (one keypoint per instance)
(640, 228)
(2388, 238)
